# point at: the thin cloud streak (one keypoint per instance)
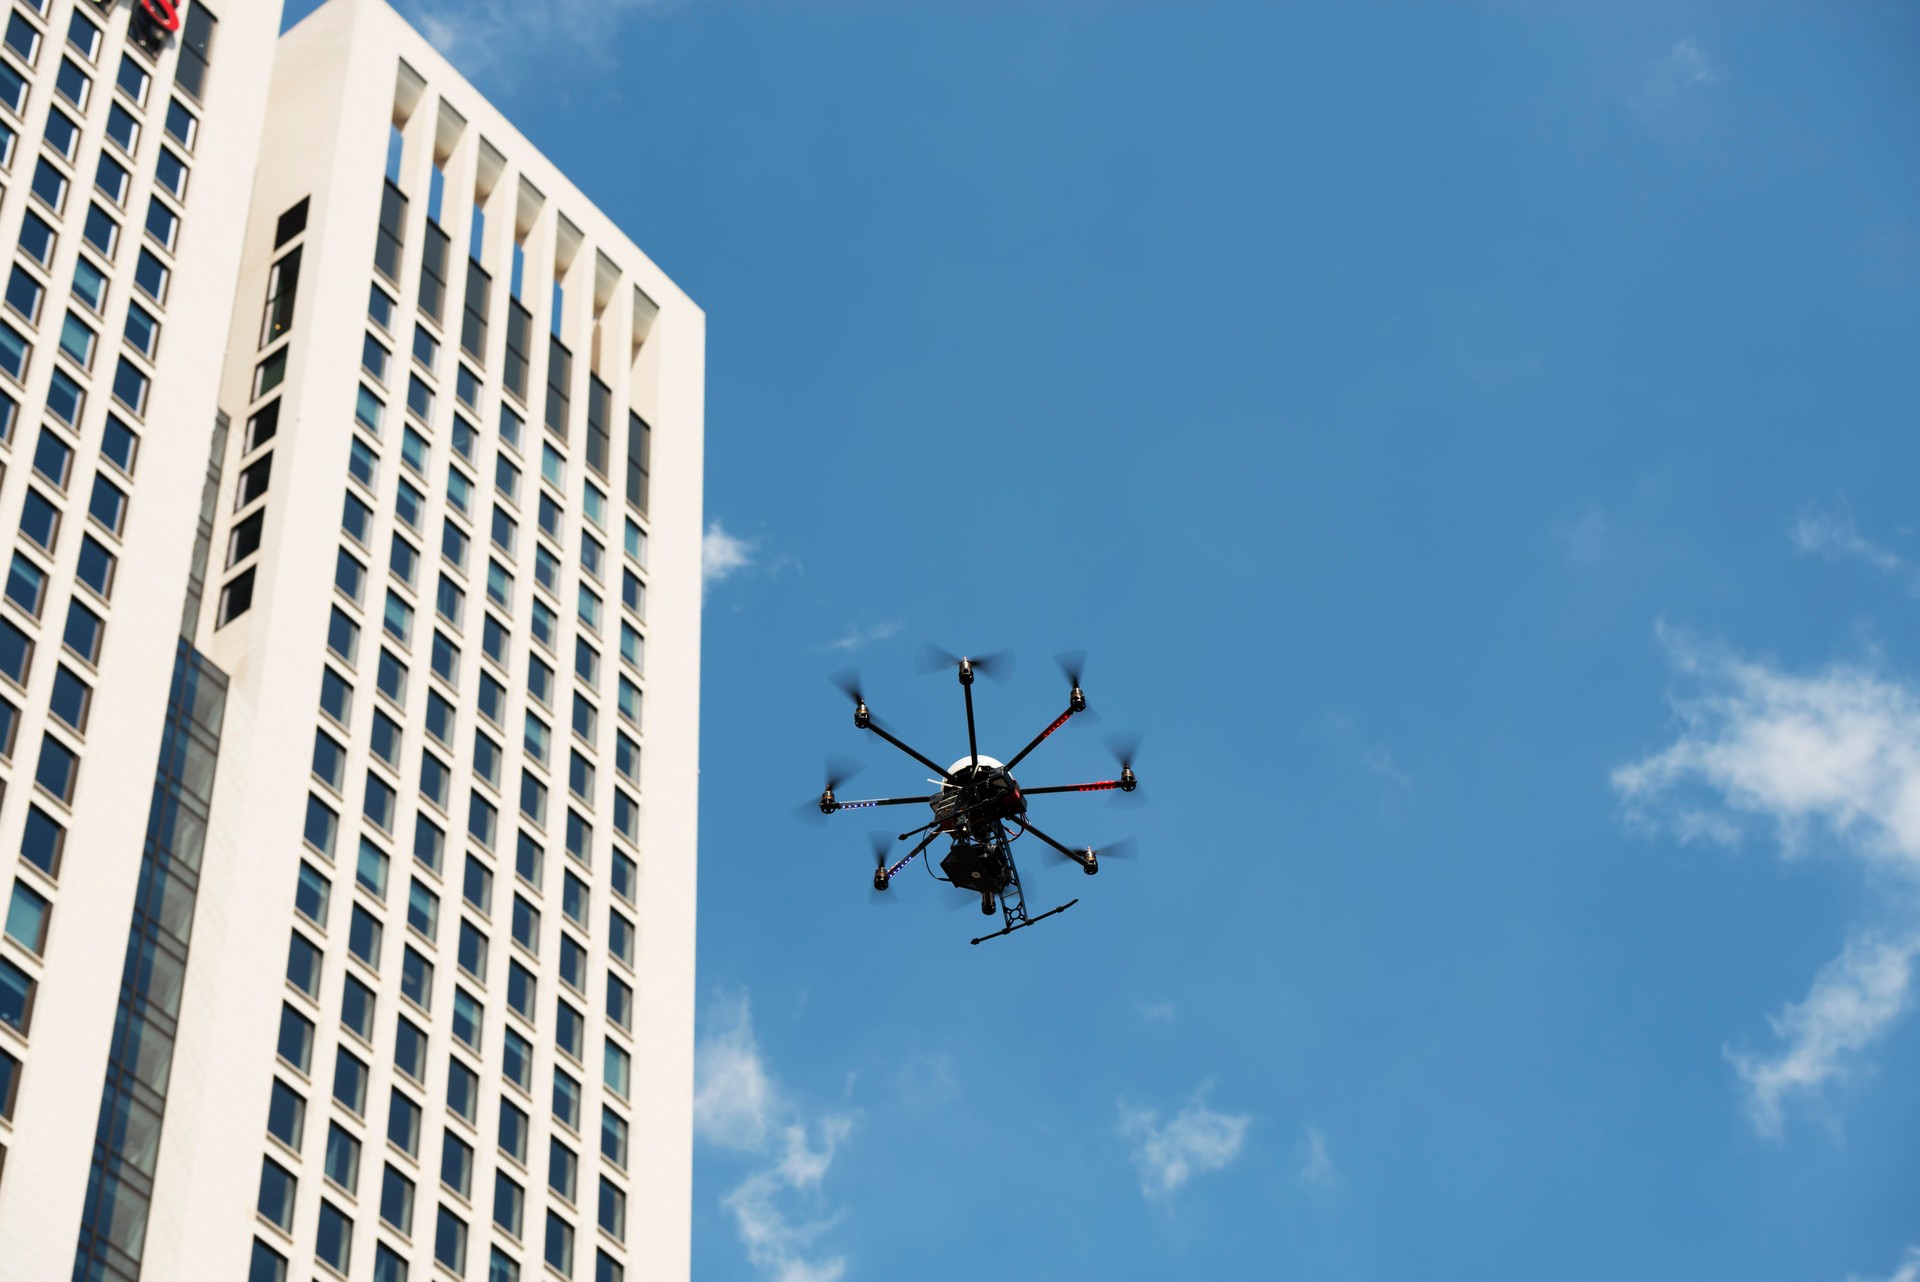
(857, 637)
(738, 1105)
(1195, 1140)
(506, 39)
(1909, 1270)
(1832, 533)
(1834, 754)
(1318, 1169)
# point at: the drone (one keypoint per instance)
(979, 807)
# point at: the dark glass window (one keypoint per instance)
(433, 272)
(393, 232)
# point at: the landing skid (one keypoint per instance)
(1023, 921)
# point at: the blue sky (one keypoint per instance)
(1474, 443)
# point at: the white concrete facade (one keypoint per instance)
(433, 843)
(115, 124)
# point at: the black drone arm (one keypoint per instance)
(832, 806)
(1099, 785)
(909, 856)
(1040, 738)
(1082, 857)
(868, 723)
(973, 744)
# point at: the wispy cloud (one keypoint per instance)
(1156, 1012)
(1587, 539)
(506, 37)
(738, 1105)
(1194, 1140)
(1832, 754)
(723, 555)
(1831, 532)
(1682, 68)
(1909, 1270)
(1318, 1170)
(1855, 999)
(1375, 758)
(857, 637)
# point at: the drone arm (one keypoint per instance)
(880, 801)
(1038, 739)
(1078, 856)
(923, 760)
(973, 744)
(1100, 785)
(909, 856)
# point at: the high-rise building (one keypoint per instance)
(344, 934)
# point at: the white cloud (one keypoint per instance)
(1195, 1140)
(1683, 67)
(857, 636)
(506, 37)
(722, 555)
(738, 1105)
(1156, 1012)
(1831, 532)
(1909, 1270)
(1318, 1168)
(1856, 997)
(1834, 754)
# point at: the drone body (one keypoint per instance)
(980, 807)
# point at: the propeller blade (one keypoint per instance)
(848, 679)
(998, 665)
(1125, 848)
(1124, 747)
(882, 844)
(1072, 664)
(838, 771)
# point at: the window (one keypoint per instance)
(396, 1199)
(446, 659)
(570, 1035)
(113, 180)
(356, 1007)
(423, 909)
(152, 276)
(363, 936)
(124, 130)
(416, 978)
(580, 776)
(13, 351)
(486, 759)
(403, 1123)
(519, 333)
(262, 426)
(439, 717)
(559, 1244)
(253, 481)
(413, 451)
(378, 803)
(526, 925)
(26, 584)
(286, 1115)
(292, 221)
(620, 1002)
(387, 1264)
(456, 1165)
(62, 134)
(163, 224)
(78, 340)
(392, 236)
(463, 1090)
(482, 820)
(267, 1265)
(386, 739)
(28, 915)
(429, 842)
(182, 126)
(579, 845)
(65, 398)
(522, 990)
(100, 231)
(83, 36)
(371, 870)
(398, 618)
(170, 174)
(477, 885)
(342, 1162)
(13, 88)
(506, 478)
(453, 545)
(504, 528)
(563, 1170)
(573, 900)
(362, 463)
(43, 841)
(472, 950)
(374, 357)
(17, 992)
(333, 1243)
(349, 575)
(322, 825)
(613, 1138)
(509, 1203)
(573, 963)
(426, 348)
(142, 330)
(368, 410)
(49, 185)
(618, 1068)
(24, 295)
(283, 285)
(270, 373)
(73, 84)
(350, 1081)
(59, 769)
(329, 760)
(450, 1241)
(23, 37)
(276, 1194)
(406, 505)
(514, 1129)
(36, 238)
(410, 1048)
(196, 49)
(343, 635)
(89, 283)
(311, 893)
(16, 652)
(380, 308)
(296, 1038)
(613, 1209)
